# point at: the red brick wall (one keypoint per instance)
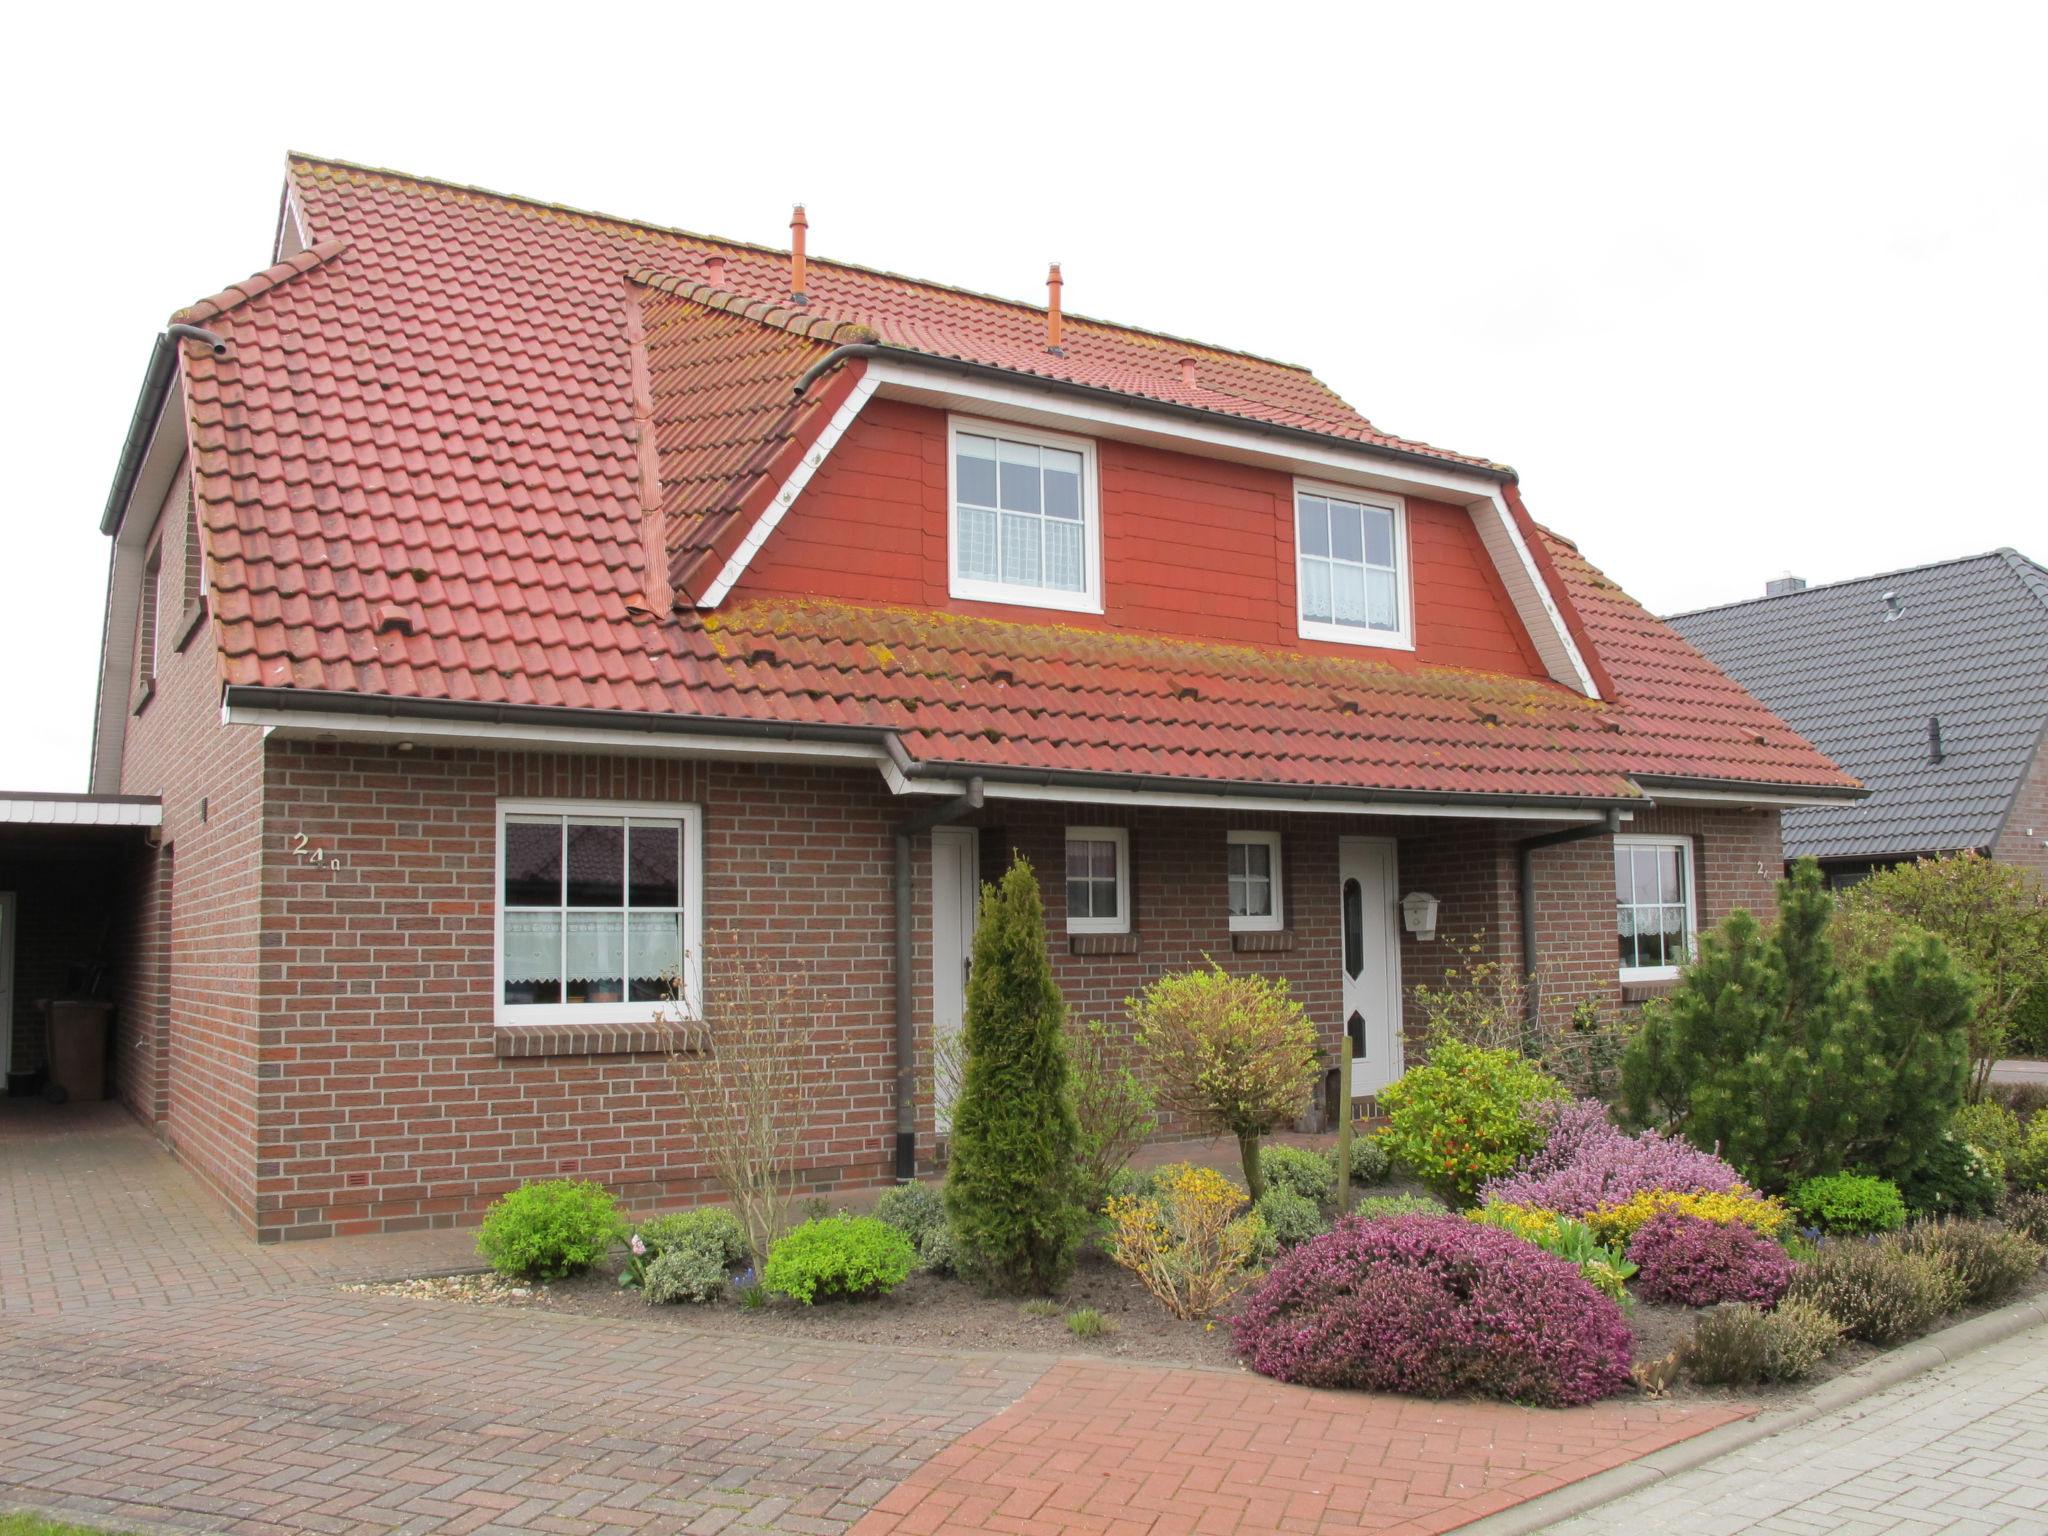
(2024, 838)
(1191, 546)
(187, 1034)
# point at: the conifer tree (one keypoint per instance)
(1771, 1054)
(1009, 1192)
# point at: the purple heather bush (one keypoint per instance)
(1700, 1263)
(1587, 1161)
(1435, 1306)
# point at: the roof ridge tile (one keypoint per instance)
(259, 283)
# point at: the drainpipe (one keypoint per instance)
(906, 1030)
(1525, 879)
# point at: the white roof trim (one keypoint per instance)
(1531, 595)
(1745, 797)
(79, 811)
(768, 521)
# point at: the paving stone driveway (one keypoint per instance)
(157, 1368)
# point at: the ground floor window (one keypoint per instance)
(1653, 905)
(1098, 880)
(1255, 882)
(599, 910)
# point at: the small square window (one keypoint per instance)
(1098, 880)
(1254, 882)
(1653, 905)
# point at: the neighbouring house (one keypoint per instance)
(514, 607)
(1930, 685)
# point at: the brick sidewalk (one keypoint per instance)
(158, 1367)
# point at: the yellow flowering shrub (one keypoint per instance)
(1529, 1221)
(1616, 1224)
(1185, 1240)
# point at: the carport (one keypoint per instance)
(67, 863)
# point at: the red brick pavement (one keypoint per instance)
(158, 1369)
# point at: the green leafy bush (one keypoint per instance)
(1010, 1192)
(839, 1256)
(1954, 1179)
(2026, 1210)
(1603, 1267)
(1989, 1126)
(919, 1212)
(1369, 1161)
(2027, 1165)
(1298, 1170)
(1739, 1345)
(549, 1230)
(1291, 1218)
(1131, 1184)
(1466, 1116)
(1878, 1293)
(685, 1272)
(1114, 1110)
(1848, 1204)
(1375, 1206)
(1990, 1262)
(712, 1228)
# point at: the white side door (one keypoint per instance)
(6, 983)
(1371, 960)
(956, 903)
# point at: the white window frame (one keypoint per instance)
(1121, 836)
(1277, 919)
(1401, 639)
(1687, 889)
(622, 1012)
(1089, 598)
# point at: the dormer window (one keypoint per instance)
(1024, 522)
(1352, 566)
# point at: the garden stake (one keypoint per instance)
(1344, 1126)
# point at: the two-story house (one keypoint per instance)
(515, 606)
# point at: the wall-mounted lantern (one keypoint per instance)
(1418, 911)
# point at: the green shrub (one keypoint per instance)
(1954, 1179)
(1397, 1205)
(1989, 1126)
(712, 1228)
(1466, 1116)
(1848, 1204)
(1604, 1268)
(1114, 1110)
(686, 1272)
(1039, 1307)
(550, 1229)
(839, 1256)
(1369, 1161)
(2026, 1210)
(2027, 1165)
(1793, 1066)
(1130, 1184)
(1291, 1218)
(1878, 1293)
(1087, 1323)
(1010, 1192)
(1990, 1262)
(1298, 1170)
(1739, 1345)
(919, 1212)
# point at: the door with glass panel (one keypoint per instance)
(593, 913)
(956, 893)
(1371, 961)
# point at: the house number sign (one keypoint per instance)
(306, 851)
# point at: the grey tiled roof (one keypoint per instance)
(1968, 645)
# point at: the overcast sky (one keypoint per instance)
(1740, 290)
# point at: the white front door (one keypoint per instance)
(1371, 959)
(6, 983)
(956, 902)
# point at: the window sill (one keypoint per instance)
(144, 692)
(1262, 941)
(1102, 943)
(582, 1039)
(1643, 991)
(188, 624)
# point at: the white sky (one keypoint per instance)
(1739, 289)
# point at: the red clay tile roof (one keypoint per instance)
(418, 477)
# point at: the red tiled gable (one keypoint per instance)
(418, 473)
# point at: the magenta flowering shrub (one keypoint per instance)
(1587, 1162)
(1699, 1263)
(1435, 1306)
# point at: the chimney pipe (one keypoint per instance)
(714, 271)
(1784, 585)
(799, 273)
(1053, 281)
(1188, 376)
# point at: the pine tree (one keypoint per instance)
(1009, 1191)
(1771, 1054)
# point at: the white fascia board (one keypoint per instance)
(304, 725)
(1534, 602)
(80, 813)
(1531, 594)
(787, 492)
(1745, 797)
(1194, 800)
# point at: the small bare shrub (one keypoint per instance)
(1185, 1240)
(2026, 1210)
(1741, 1345)
(1990, 1262)
(1878, 1293)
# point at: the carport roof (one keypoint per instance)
(55, 809)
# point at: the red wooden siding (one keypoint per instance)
(1195, 547)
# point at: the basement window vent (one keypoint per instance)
(357, 1181)
(566, 1165)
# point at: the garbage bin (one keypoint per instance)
(78, 1048)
